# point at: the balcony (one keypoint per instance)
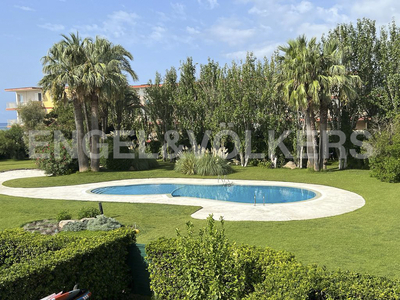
(11, 106)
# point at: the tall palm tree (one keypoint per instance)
(299, 80)
(103, 72)
(60, 67)
(310, 75)
(335, 82)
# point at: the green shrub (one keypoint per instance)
(116, 164)
(205, 164)
(64, 215)
(97, 262)
(88, 212)
(58, 163)
(143, 163)
(125, 164)
(12, 143)
(186, 164)
(207, 266)
(385, 160)
(212, 165)
(75, 226)
(266, 164)
(103, 223)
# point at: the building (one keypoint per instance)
(25, 95)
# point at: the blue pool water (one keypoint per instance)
(233, 193)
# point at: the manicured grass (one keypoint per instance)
(366, 240)
(13, 164)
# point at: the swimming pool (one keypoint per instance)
(231, 193)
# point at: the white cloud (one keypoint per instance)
(211, 4)
(259, 51)
(52, 27)
(119, 24)
(25, 8)
(303, 7)
(192, 30)
(382, 11)
(179, 10)
(229, 31)
(158, 34)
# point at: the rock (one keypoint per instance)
(290, 165)
(65, 222)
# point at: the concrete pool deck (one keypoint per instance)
(329, 202)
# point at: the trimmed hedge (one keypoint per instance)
(185, 268)
(34, 265)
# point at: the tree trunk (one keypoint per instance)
(310, 153)
(85, 114)
(94, 153)
(314, 138)
(323, 138)
(83, 161)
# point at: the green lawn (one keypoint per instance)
(366, 240)
(12, 164)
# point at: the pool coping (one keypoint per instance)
(331, 201)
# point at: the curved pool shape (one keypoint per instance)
(232, 193)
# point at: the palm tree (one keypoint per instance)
(299, 80)
(60, 67)
(103, 73)
(335, 82)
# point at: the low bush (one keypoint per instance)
(140, 163)
(186, 164)
(103, 223)
(64, 215)
(204, 163)
(207, 266)
(57, 163)
(212, 165)
(75, 226)
(46, 264)
(100, 223)
(136, 162)
(88, 212)
(114, 163)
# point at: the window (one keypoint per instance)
(20, 99)
(39, 96)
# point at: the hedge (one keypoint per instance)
(182, 268)
(33, 265)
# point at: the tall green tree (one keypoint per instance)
(32, 114)
(190, 108)
(103, 73)
(60, 68)
(299, 80)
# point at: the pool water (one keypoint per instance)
(233, 193)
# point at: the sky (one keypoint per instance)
(161, 34)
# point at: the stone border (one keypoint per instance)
(329, 202)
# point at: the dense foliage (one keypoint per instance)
(33, 265)
(88, 212)
(203, 162)
(12, 143)
(126, 157)
(385, 161)
(56, 161)
(207, 266)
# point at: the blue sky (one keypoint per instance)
(160, 34)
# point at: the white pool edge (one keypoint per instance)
(331, 201)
